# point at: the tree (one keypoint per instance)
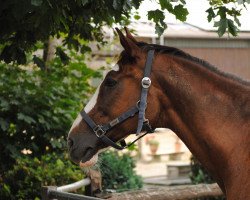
(23, 23)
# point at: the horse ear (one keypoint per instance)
(128, 44)
(129, 35)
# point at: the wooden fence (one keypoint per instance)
(63, 192)
(183, 192)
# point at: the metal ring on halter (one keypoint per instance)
(98, 129)
(138, 104)
(146, 82)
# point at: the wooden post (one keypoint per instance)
(45, 192)
(95, 184)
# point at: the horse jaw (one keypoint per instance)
(90, 162)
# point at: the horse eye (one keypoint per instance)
(109, 82)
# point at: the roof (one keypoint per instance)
(180, 30)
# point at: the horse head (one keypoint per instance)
(118, 93)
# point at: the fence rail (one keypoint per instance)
(74, 186)
(182, 192)
(63, 192)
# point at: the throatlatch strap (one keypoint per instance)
(144, 92)
(108, 141)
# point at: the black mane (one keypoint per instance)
(179, 53)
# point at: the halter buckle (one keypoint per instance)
(99, 132)
(146, 82)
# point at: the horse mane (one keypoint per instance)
(179, 53)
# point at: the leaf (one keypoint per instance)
(59, 163)
(39, 62)
(165, 4)
(6, 54)
(84, 2)
(156, 15)
(237, 21)
(232, 29)
(7, 189)
(222, 12)
(159, 29)
(63, 56)
(4, 105)
(20, 56)
(222, 24)
(127, 5)
(85, 49)
(29, 120)
(3, 124)
(180, 12)
(137, 17)
(211, 14)
(36, 2)
(116, 4)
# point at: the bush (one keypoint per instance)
(24, 181)
(118, 172)
(200, 175)
(37, 107)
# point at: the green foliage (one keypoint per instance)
(225, 16)
(24, 180)
(23, 23)
(118, 172)
(158, 16)
(37, 107)
(200, 175)
(178, 10)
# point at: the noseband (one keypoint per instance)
(143, 123)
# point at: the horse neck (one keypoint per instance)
(200, 109)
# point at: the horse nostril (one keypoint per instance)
(70, 142)
(87, 154)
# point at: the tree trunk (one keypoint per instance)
(49, 51)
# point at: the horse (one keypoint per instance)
(208, 109)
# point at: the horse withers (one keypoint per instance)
(208, 109)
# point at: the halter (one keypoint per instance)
(143, 123)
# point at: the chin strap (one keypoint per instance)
(143, 123)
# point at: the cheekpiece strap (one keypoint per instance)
(146, 82)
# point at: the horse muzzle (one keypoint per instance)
(80, 149)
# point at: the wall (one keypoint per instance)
(232, 60)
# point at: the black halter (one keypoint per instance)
(143, 124)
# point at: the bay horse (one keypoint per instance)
(209, 111)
